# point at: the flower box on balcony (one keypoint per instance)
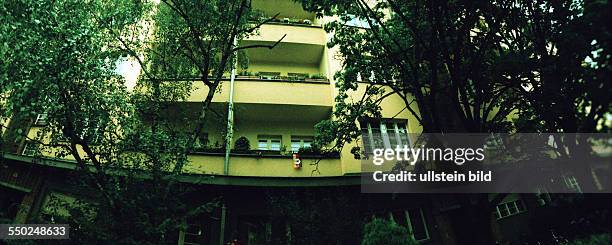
(247, 77)
(316, 80)
(207, 149)
(297, 76)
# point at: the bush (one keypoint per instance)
(593, 240)
(314, 149)
(382, 231)
(318, 76)
(326, 132)
(242, 144)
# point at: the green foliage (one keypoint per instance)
(242, 144)
(246, 73)
(61, 57)
(314, 149)
(325, 131)
(593, 240)
(473, 67)
(451, 83)
(318, 76)
(356, 151)
(382, 231)
(307, 214)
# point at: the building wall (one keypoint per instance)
(281, 106)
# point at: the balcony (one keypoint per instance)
(296, 34)
(262, 165)
(255, 90)
(285, 8)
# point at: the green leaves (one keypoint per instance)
(469, 67)
(60, 58)
(383, 231)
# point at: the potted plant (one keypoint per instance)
(313, 150)
(242, 145)
(318, 77)
(246, 74)
(297, 76)
(269, 75)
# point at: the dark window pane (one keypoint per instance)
(503, 210)
(512, 209)
(520, 206)
(400, 218)
(419, 228)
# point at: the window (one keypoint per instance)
(414, 219)
(30, 148)
(269, 75)
(298, 142)
(384, 134)
(297, 76)
(269, 142)
(510, 208)
(572, 183)
(41, 119)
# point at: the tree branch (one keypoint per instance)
(260, 45)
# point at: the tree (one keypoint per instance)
(128, 152)
(564, 47)
(471, 67)
(441, 58)
(308, 214)
(382, 231)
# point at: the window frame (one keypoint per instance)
(269, 75)
(506, 207)
(41, 119)
(301, 141)
(571, 182)
(269, 139)
(383, 127)
(411, 228)
(296, 76)
(409, 223)
(26, 149)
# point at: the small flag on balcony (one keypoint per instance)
(297, 162)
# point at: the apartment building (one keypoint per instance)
(274, 105)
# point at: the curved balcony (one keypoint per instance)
(263, 165)
(295, 33)
(262, 91)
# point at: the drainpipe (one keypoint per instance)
(222, 228)
(230, 114)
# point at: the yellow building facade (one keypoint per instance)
(277, 101)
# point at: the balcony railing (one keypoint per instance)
(315, 78)
(269, 90)
(243, 164)
(306, 154)
(287, 21)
